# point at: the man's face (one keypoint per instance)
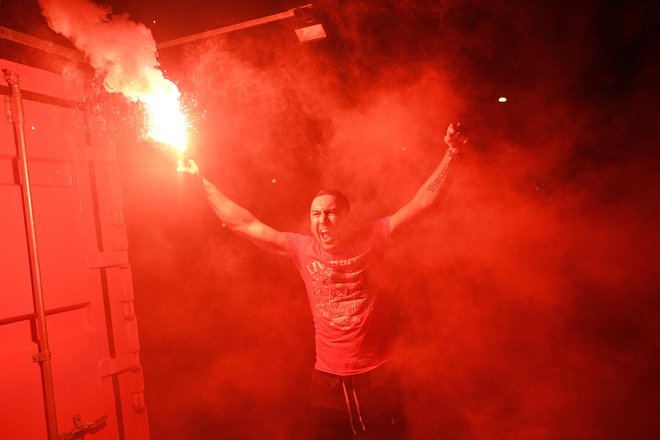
(325, 218)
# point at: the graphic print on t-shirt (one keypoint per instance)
(338, 290)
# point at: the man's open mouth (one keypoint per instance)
(326, 234)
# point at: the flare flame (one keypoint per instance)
(123, 52)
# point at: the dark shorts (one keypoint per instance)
(367, 405)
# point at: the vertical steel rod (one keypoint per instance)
(43, 357)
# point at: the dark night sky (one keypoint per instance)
(530, 305)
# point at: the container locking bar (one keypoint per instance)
(80, 429)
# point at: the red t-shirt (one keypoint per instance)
(352, 327)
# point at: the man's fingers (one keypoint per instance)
(455, 128)
(455, 135)
(187, 166)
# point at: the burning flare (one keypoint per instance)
(166, 122)
(123, 52)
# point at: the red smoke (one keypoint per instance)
(526, 303)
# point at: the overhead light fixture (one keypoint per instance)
(309, 28)
(311, 33)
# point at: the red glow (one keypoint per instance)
(526, 303)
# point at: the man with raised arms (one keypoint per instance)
(354, 388)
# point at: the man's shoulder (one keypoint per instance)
(298, 240)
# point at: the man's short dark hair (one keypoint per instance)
(342, 200)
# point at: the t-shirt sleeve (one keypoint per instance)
(380, 232)
(295, 242)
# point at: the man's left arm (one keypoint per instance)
(435, 185)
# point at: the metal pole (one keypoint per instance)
(16, 117)
(231, 28)
(37, 43)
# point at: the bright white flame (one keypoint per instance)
(502, 99)
(166, 123)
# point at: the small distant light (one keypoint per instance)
(273, 181)
(34, 127)
(154, 22)
(502, 99)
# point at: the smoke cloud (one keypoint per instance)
(525, 302)
(123, 54)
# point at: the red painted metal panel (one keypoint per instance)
(14, 273)
(85, 274)
(21, 399)
(45, 135)
(61, 247)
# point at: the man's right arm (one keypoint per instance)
(238, 219)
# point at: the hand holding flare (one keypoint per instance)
(455, 137)
(187, 166)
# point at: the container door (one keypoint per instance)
(86, 278)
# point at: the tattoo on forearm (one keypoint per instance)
(433, 186)
(442, 175)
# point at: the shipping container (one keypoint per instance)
(69, 345)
